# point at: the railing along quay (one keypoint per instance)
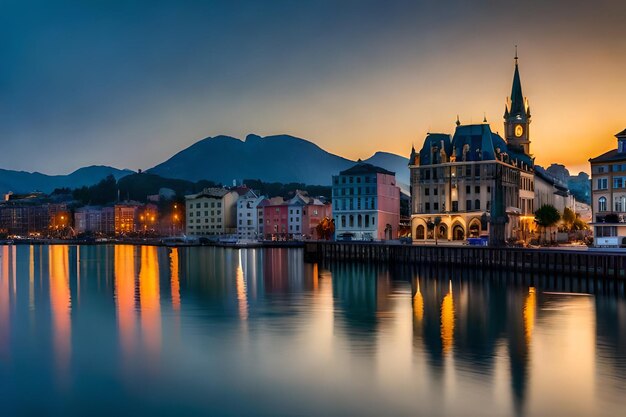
(591, 263)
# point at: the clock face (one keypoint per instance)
(519, 131)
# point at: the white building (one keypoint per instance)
(211, 212)
(249, 216)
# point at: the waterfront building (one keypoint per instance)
(456, 183)
(275, 213)
(248, 215)
(212, 212)
(366, 203)
(88, 219)
(24, 219)
(126, 216)
(294, 219)
(608, 195)
(479, 184)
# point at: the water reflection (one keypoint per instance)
(184, 331)
(60, 304)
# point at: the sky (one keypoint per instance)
(130, 83)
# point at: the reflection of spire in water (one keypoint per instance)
(418, 305)
(149, 298)
(447, 321)
(175, 279)
(242, 298)
(60, 303)
(529, 314)
(124, 258)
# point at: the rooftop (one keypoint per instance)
(365, 168)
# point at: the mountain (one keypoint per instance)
(280, 158)
(391, 162)
(24, 182)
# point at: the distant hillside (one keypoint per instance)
(280, 158)
(24, 182)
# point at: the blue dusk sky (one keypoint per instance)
(130, 83)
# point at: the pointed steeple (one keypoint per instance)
(458, 122)
(518, 107)
(413, 154)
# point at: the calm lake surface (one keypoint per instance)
(124, 330)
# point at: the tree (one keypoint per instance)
(547, 216)
(569, 217)
(325, 228)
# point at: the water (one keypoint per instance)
(103, 330)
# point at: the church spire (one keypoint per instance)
(518, 107)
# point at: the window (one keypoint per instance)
(427, 207)
(468, 189)
(488, 188)
(602, 204)
(618, 182)
(426, 191)
(436, 206)
(468, 205)
(477, 204)
(603, 183)
(455, 206)
(477, 189)
(435, 191)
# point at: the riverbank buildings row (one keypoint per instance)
(242, 213)
(475, 183)
(608, 182)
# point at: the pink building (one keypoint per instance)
(366, 203)
(275, 216)
(296, 218)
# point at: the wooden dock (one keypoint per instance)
(570, 262)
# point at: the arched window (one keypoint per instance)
(458, 233)
(602, 204)
(359, 221)
(367, 220)
(343, 221)
(419, 232)
(351, 224)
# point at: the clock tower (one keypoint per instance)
(517, 116)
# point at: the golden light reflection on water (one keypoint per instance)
(447, 321)
(124, 260)
(418, 305)
(5, 319)
(175, 279)
(149, 298)
(242, 297)
(60, 303)
(529, 314)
